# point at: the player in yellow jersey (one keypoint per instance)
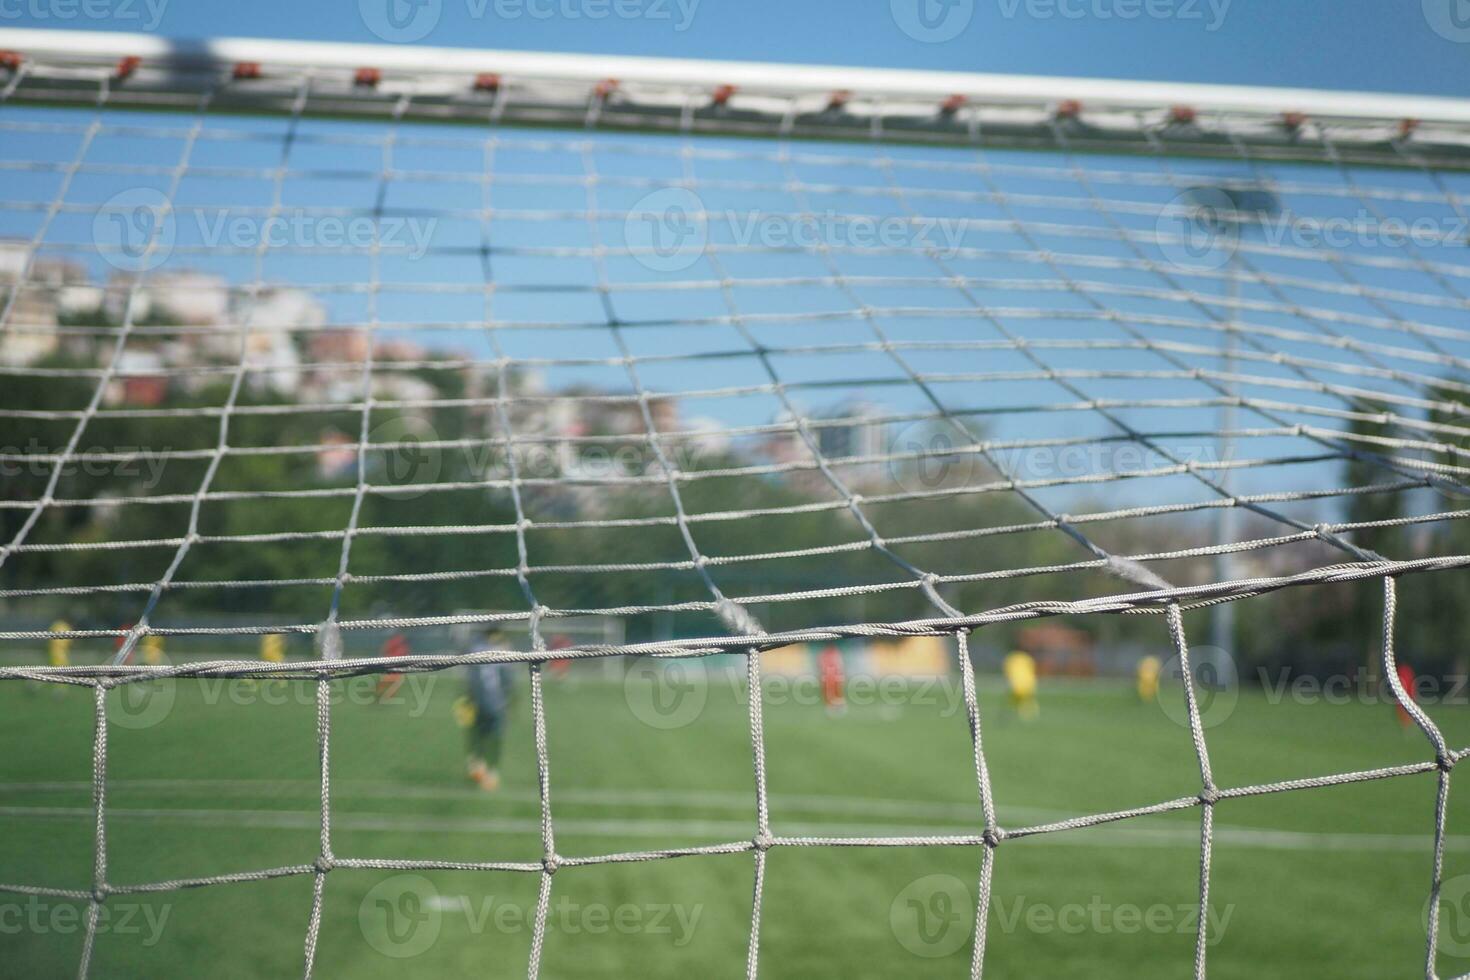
(58, 652)
(58, 648)
(153, 649)
(272, 651)
(273, 648)
(1148, 679)
(1020, 670)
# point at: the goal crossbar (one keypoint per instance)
(739, 98)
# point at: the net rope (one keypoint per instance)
(1325, 368)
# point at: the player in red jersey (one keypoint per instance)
(833, 674)
(1406, 681)
(395, 646)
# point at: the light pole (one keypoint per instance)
(1225, 212)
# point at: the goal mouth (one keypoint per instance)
(377, 355)
(1147, 260)
(1122, 231)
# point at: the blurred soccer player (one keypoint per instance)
(1148, 679)
(273, 648)
(272, 651)
(561, 666)
(1407, 681)
(833, 675)
(58, 652)
(58, 648)
(482, 713)
(152, 649)
(395, 646)
(1020, 671)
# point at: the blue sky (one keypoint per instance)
(1384, 45)
(1367, 44)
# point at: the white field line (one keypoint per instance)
(387, 789)
(1138, 832)
(682, 830)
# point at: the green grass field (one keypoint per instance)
(1328, 882)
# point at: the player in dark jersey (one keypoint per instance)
(482, 713)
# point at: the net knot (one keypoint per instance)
(324, 863)
(763, 841)
(1209, 796)
(993, 836)
(100, 893)
(737, 617)
(1445, 763)
(329, 640)
(550, 863)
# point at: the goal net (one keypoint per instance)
(330, 342)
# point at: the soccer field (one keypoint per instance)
(1322, 882)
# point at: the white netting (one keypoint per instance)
(349, 376)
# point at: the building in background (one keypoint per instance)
(53, 289)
